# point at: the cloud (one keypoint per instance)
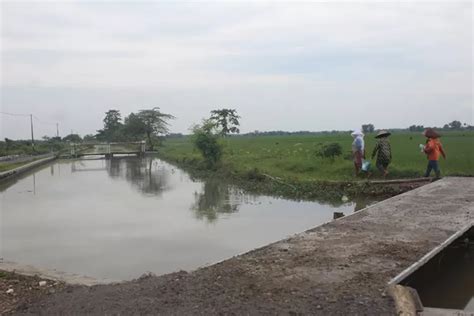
(322, 59)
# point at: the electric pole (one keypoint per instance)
(57, 129)
(32, 137)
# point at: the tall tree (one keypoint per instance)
(455, 125)
(134, 127)
(112, 120)
(112, 126)
(227, 120)
(368, 128)
(155, 123)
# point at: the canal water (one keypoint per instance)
(117, 219)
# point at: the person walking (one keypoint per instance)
(383, 151)
(433, 149)
(358, 150)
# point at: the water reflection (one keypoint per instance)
(215, 198)
(145, 174)
(134, 231)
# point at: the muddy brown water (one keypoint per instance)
(117, 219)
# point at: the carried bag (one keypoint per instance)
(365, 165)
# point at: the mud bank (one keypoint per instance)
(339, 268)
(17, 290)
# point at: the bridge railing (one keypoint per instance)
(107, 148)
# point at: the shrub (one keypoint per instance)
(255, 174)
(206, 141)
(330, 150)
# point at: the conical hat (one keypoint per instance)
(383, 133)
(431, 133)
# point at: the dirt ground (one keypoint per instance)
(18, 291)
(340, 268)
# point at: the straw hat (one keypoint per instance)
(383, 133)
(431, 133)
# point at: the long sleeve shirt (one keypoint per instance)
(433, 149)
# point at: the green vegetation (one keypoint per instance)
(206, 141)
(226, 120)
(146, 123)
(10, 166)
(206, 137)
(296, 158)
(331, 150)
(23, 147)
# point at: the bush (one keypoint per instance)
(330, 150)
(206, 140)
(255, 174)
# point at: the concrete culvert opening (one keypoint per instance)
(445, 281)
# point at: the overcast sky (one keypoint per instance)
(283, 66)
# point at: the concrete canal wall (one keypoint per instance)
(17, 171)
(339, 268)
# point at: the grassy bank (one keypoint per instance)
(288, 165)
(294, 157)
(10, 166)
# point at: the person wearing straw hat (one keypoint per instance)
(383, 151)
(358, 150)
(433, 149)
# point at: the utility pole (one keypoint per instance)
(32, 137)
(57, 129)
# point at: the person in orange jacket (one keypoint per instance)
(433, 149)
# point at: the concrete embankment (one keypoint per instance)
(21, 169)
(340, 268)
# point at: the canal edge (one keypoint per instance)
(10, 174)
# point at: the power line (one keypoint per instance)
(31, 123)
(14, 114)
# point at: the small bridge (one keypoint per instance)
(108, 149)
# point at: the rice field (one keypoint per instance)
(294, 157)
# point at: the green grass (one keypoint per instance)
(10, 166)
(293, 157)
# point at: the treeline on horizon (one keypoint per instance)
(366, 128)
(153, 125)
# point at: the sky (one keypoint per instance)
(282, 65)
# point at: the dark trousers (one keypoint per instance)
(433, 165)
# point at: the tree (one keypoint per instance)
(154, 123)
(134, 127)
(456, 125)
(112, 120)
(227, 120)
(89, 138)
(416, 128)
(73, 138)
(368, 128)
(8, 144)
(206, 140)
(112, 126)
